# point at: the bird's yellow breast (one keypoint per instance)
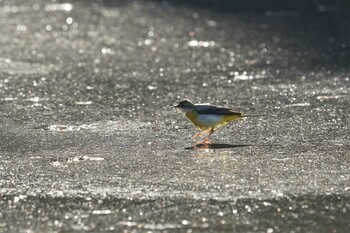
(193, 116)
(209, 121)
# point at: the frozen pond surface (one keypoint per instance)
(89, 141)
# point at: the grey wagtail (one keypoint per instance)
(208, 118)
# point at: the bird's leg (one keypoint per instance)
(206, 140)
(197, 135)
(211, 132)
(200, 133)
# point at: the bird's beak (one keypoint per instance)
(176, 106)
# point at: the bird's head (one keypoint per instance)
(185, 105)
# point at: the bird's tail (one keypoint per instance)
(258, 115)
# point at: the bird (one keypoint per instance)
(208, 117)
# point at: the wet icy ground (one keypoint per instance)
(89, 141)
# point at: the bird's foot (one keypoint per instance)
(199, 142)
(203, 144)
(206, 141)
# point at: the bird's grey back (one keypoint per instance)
(211, 109)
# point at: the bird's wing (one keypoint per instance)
(211, 109)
